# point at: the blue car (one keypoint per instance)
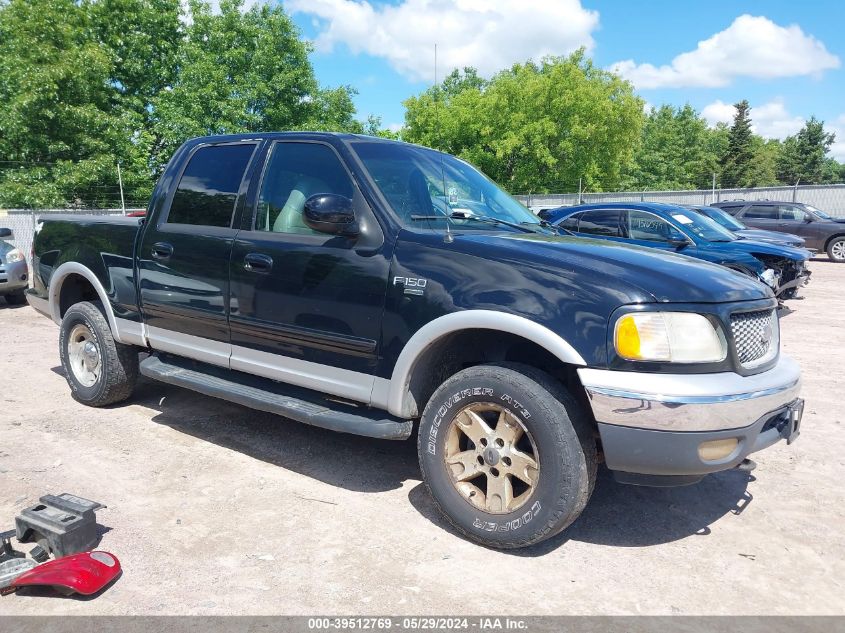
(678, 229)
(740, 230)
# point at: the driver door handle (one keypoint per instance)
(162, 250)
(258, 263)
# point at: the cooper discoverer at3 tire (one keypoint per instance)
(506, 454)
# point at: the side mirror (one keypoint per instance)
(678, 243)
(330, 213)
(808, 218)
(5, 233)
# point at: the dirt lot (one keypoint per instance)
(214, 508)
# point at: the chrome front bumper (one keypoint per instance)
(653, 427)
(689, 402)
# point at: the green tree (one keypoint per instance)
(533, 127)
(833, 171)
(244, 71)
(85, 84)
(803, 155)
(737, 161)
(676, 151)
(766, 153)
(372, 127)
(142, 39)
(58, 134)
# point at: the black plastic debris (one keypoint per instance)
(39, 554)
(7, 552)
(61, 524)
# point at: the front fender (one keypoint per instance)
(394, 395)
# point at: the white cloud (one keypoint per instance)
(752, 46)
(769, 120)
(395, 127)
(718, 112)
(487, 34)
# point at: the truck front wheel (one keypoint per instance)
(506, 454)
(99, 370)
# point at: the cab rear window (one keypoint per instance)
(209, 185)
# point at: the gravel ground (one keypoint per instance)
(217, 509)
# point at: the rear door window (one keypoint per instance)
(761, 212)
(604, 222)
(209, 185)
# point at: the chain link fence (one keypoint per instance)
(829, 198)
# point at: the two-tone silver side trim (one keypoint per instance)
(324, 378)
(392, 395)
(189, 346)
(689, 402)
(39, 304)
(338, 382)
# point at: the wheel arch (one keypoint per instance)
(831, 238)
(85, 286)
(420, 364)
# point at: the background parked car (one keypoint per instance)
(678, 229)
(14, 277)
(740, 230)
(819, 230)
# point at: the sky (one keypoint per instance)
(786, 58)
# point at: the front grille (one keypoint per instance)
(756, 337)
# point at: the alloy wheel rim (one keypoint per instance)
(491, 458)
(84, 355)
(838, 250)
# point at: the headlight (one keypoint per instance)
(676, 337)
(13, 256)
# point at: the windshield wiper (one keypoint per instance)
(548, 225)
(457, 215)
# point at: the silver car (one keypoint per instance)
(14, 274)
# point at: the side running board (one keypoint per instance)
(291, 402)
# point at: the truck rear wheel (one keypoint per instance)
(506, 455)
(99, 370)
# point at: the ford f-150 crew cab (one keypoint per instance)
(360, 285)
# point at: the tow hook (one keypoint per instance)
(746, 465)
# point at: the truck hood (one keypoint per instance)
(640, 273)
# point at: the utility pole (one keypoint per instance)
(579, 191)
(120, 182)
(713, 193)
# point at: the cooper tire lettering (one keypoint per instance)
(558, 435)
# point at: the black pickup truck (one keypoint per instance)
(361, 285)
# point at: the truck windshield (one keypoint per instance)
(427, 189)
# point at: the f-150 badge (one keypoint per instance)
(413, 285)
